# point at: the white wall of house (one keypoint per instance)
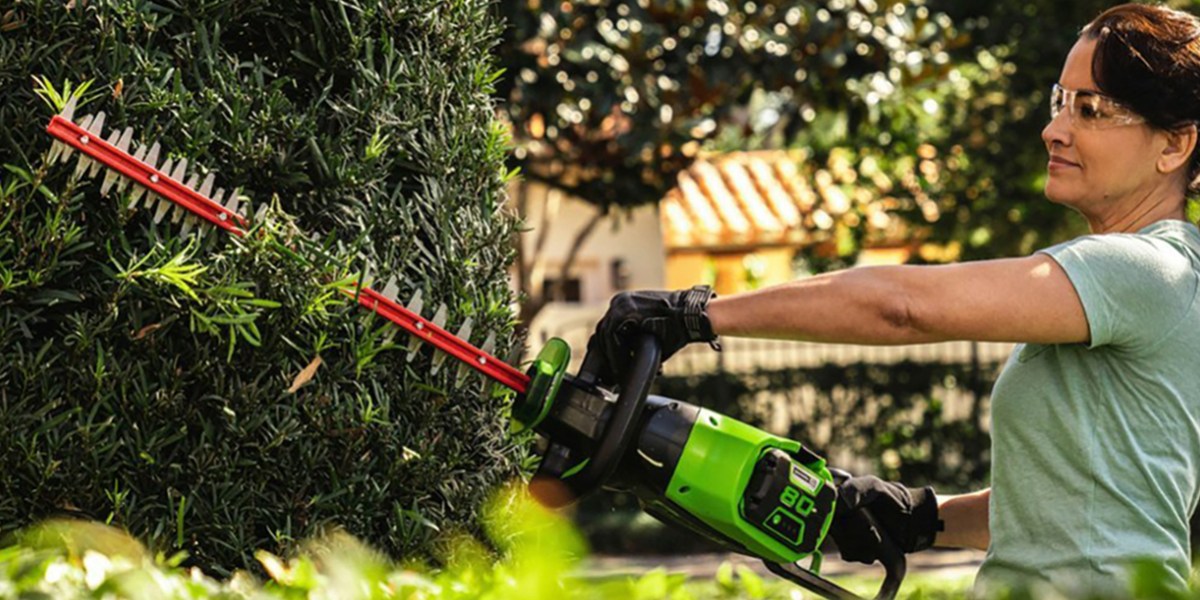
(633, 237)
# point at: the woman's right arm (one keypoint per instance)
(965, 517)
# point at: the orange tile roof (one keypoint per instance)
(765, 199)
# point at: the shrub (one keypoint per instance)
(150, 381)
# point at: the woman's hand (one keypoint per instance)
(908, 516)
(676, 318)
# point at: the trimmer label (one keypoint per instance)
(805, 479)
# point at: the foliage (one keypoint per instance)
(610, 100)
(946, 99)
(155, 382)
(538, 556)
(537, 548)
(996, 105)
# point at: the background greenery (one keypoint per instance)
(153, 382)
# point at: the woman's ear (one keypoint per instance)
(1181, 142)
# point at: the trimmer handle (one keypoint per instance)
(635, 385)
(892, 558)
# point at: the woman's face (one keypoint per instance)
(1095, 169)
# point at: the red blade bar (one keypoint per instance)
(145, 175)
(489, 365)
(161, 184)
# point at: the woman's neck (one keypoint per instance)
(1128, 217)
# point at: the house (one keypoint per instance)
(737, 221)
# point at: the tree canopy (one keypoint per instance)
(610, 100)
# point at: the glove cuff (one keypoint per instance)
(695, 319)
(925, 523)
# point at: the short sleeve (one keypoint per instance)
(1135, 289)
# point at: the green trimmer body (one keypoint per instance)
(747, 490)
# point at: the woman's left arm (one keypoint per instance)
(1009, 300)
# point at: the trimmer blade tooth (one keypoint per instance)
(464, 331)
(68, 111)
(489, 344)
(464, 334)
(231, 204)
(66, 153)
(69, 150)
(135, 195)
(95, 170)
(391, 291)
(123, 182)
(56, 149)
(515, 354)
(439, 317)
(260, 214)
(96, 127)
(123, 141)
(82, 166)
(219, 196)
(152, 198)
(116, 139)
(414, 346)
(180, 171)
(166, 167)
(152, 157)
(439, 359)
(96, 165)
(192, 183)
(164, 206)
(416, 303)
(177, 213)
(189, 223)
(109, 179)
(207, 186)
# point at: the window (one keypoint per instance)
(619, 274)
(570, 291)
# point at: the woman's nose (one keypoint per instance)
(1058, 130)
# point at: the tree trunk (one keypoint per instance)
(533, 270)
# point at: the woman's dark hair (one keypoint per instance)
(1148, 58)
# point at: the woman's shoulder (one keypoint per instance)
(1165, 248)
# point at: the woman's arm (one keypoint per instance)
(1013, 300)
(966, 520)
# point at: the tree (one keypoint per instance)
(608, 101)
(158, 383)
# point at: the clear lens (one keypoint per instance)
(1091, 110)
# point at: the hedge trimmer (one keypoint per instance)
(747, 490)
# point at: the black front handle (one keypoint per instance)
(631, 398)
(895, 565)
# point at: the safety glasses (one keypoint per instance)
(1091, 110)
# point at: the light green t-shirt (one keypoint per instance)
(1096, 447)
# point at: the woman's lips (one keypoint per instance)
(1058, 162)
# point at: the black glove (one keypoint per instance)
(909, 516)
(675, 318)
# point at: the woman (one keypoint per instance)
(1096, 416)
